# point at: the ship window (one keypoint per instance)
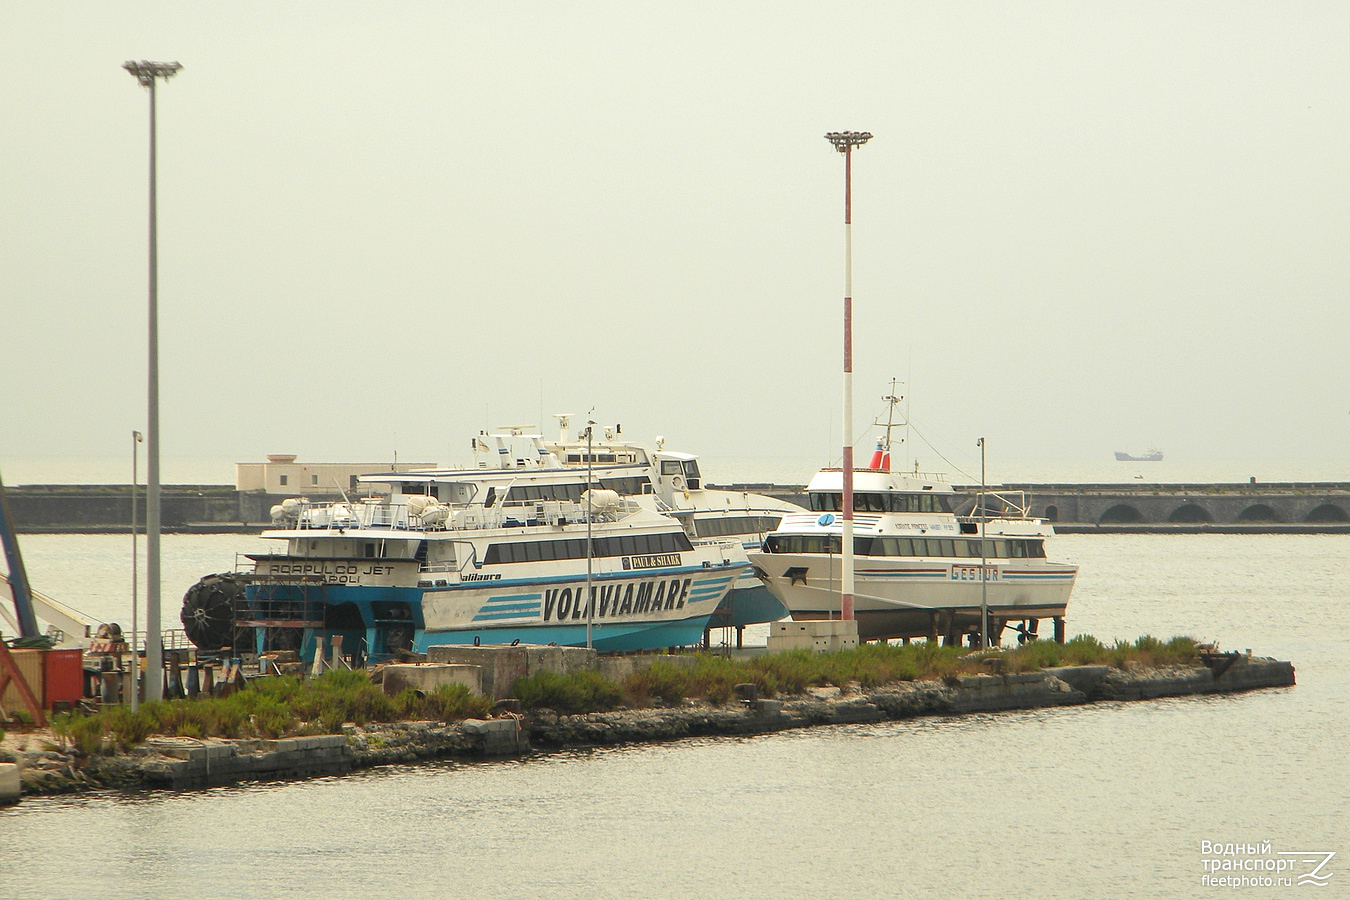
(283, 480)
(627, 486)
(370, 551)
(734, 525)
(826, 502)
(670, 467)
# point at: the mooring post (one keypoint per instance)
(174, 688)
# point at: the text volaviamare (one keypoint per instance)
(612, 600)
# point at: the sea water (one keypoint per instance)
(1112, 799)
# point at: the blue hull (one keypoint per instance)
(748, 606)
(377, 622)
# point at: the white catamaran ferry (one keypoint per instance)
(469, 557)
(664, 481)
(920, 569)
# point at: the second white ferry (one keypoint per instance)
(920, 569)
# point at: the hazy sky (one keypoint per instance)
(1080, 227)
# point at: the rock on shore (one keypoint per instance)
(189, 763)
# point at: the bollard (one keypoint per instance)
(108, 675)
(317, 668)
(173, 690)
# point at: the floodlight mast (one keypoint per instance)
(844, 142)
(147, 74)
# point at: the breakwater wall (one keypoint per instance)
(1140, 508)
(1287, 507)
(183, 763)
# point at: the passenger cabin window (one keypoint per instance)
(575, 548)
(628, 486)
(735, 525)
(571, 491)
(313, 479)
(907, 546)
(594, 458)
(877, 502)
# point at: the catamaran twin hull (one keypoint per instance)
(904, 601)
(635, 610)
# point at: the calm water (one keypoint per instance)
(1109, 800)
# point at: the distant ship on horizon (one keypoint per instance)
(1149, 455)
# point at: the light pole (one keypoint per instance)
(844, 142)
(147, 74)
(590, 506)
(984, 573)
(136, 438)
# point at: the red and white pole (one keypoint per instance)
(844, 142)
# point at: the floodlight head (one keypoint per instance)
(845, 141)
(146, 72)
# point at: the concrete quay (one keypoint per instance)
(961, 695)
(187, 763)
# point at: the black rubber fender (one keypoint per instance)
(209, 610)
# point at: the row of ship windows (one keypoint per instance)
(575, 548)
(735, 525)
(879, 503)
(570, 491)
(903, 546)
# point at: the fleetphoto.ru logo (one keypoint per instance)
(1237, 865)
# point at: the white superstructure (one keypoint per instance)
(920, 568)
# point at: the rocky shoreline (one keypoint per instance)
(188, 763)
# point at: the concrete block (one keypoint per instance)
(9, 784)
(617, 668)
(1081, 678)
(500, 737)
(561, 660)
(820, 637)
(501, 664)
(426, 677)
(768, 707)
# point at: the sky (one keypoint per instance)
(1079, 228)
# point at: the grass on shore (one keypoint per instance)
(713, 678)
(281, 706)
(272, 707)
